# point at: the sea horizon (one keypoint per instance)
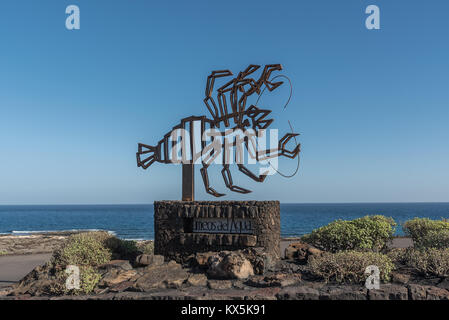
(282, 202)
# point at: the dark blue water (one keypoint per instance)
(136, 221)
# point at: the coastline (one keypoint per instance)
(11, 245)
(36, 242)
(47, 242)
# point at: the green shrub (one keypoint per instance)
(84, 249)
(146, 247)
(95, 248)
(127, 249)
(349, 266)
(429, 262)
(427, 233)
(121, 249)
(88, 251)
(89, 278)
(398, 255)
(369, 232)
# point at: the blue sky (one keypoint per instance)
(372, 106)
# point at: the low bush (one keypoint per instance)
(429, 262)
(367, 233)
(146, 247)
(89, 278)
(83, 249)
(349, 266)
(87, 251)
(427, 233)
(127, 250)
(398, 256)
(96, 248)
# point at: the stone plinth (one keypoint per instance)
(183, 228)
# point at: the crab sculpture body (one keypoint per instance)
(224, 122)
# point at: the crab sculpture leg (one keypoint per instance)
(227, 177)
(210, 102)
(205, 177)
(269, 68)
(281, 149)
(239, 146)
(226, 173)
(211, 152)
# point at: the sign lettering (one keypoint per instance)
(222, 226)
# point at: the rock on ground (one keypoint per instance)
(229, 265)
(168, 275)
(149, 259)
(301, 252)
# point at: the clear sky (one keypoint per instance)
(372, 106)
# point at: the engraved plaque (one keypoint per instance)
(216, 225)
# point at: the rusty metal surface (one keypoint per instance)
(188, 182)
(228, 109)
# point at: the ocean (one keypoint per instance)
(136, 221)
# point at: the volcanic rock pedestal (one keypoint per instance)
(183, 228)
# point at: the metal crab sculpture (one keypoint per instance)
(235, 93)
